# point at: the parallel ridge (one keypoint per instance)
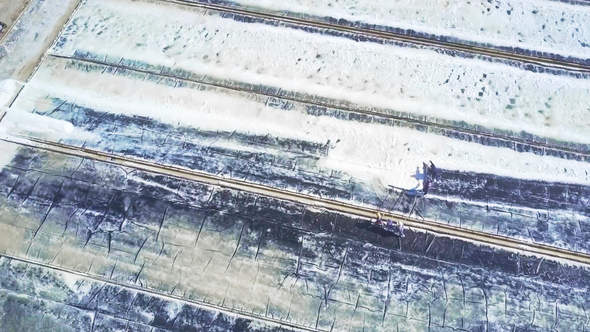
(355, 210)
(360, 211)
(97, 288)
(539, 59)
(535, 144)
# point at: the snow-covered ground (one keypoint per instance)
(144, 44)
(110, 83)
(264, 258)
(32, 34)
(372, 152)
(9, 13)
(323, 153)
(418, 81)
(555, 27)
(8, 90)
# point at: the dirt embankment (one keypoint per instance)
(9, 12)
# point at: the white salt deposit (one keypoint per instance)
(373, 153)
(549, 26)
(422, 82)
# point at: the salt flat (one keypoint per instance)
(123, 122)
(547, 28)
